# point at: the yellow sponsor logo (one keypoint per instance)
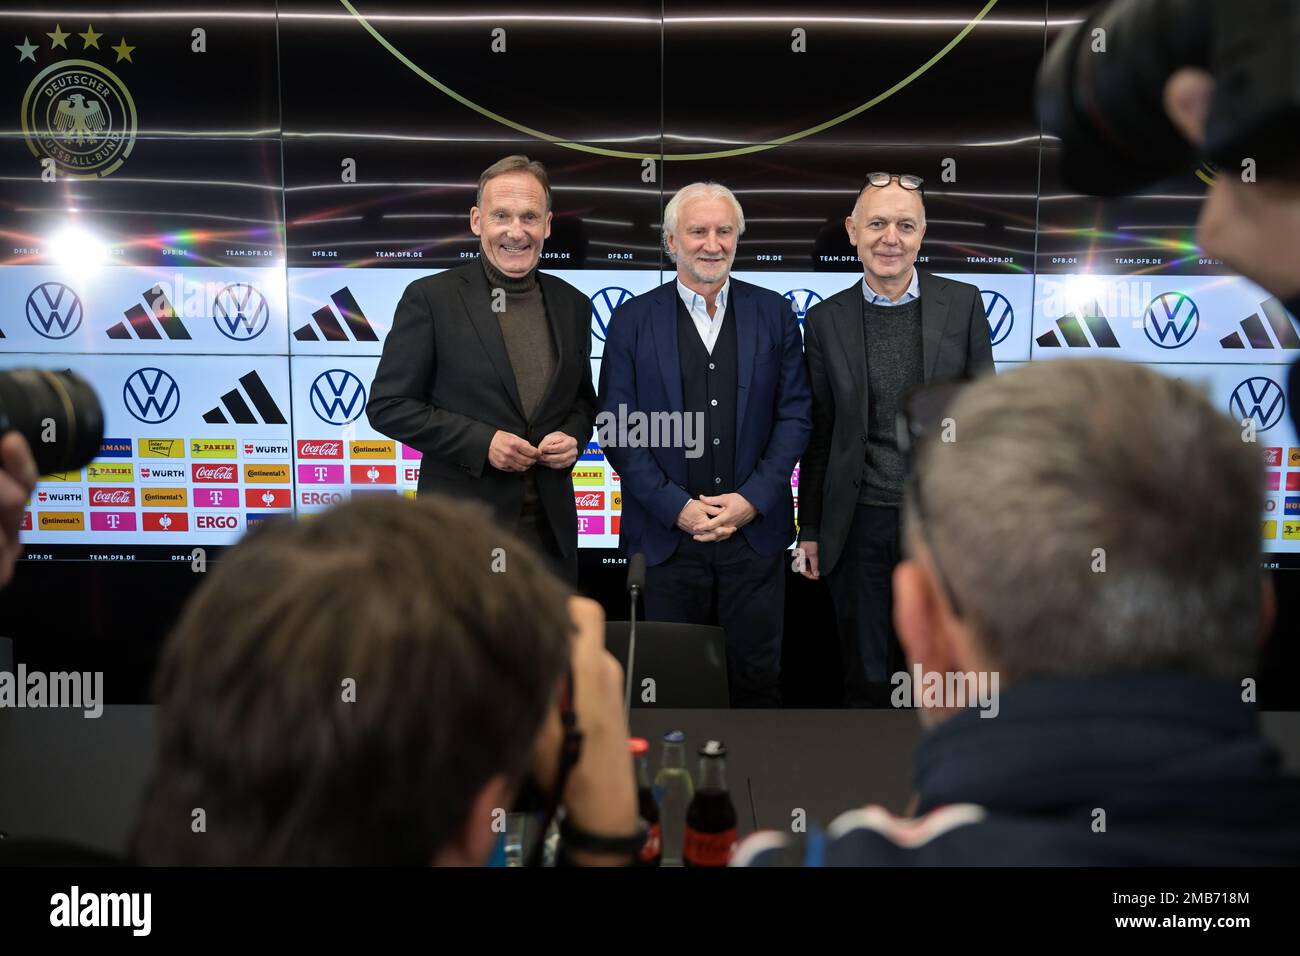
(589, 476)
(61, 521)
(1270, 529)
(164, 497)
(212, 447)
(1291, 530)
(1293, 457)
(408, 492)
(160, 448)
(62, 476)
(102, 472)
(616, 501)
(373, 449)
(269, 474)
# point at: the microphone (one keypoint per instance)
(635, 585)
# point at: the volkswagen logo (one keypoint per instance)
(603, 304)
(240, 312)
(1260, 399)
(151, 395)
(54, 310)
(1171, 320)
(338, 397)
(801, 300)
(1000, 315)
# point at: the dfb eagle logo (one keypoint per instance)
(78, 120)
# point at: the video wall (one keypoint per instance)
(211, 214)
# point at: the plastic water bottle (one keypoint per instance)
(673, 791)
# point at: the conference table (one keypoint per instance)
(66, 777)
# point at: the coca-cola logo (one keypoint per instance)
(120, 496)
(214, 473)
(591, 499)
(320, 449)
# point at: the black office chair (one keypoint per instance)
(687, 662)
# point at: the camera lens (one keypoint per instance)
(57, 412)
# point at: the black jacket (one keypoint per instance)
(1176, 764)
(445, 386)
(955, 344)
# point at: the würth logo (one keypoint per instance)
(240, 413)
(1257, 335)
(1071, 326)
(145, 323)
(329, 326)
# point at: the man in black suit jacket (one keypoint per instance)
(487, 371)
(866, 347)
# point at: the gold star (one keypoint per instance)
(59, 37)
(26, 51)
(123, 51)
(90, 38)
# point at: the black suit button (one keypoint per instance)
(855, 483)
(864, 439)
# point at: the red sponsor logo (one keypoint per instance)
(110, 497)
(374, 474)
(1272, 457)
(321, 497)
(1293, 481)
(225, 473)
(411, 474)
(589, 500)
(613, 524)
(26, 523)
(267, 498)
(41, 496)
(216, 522)
(166, 521)
(310, 448)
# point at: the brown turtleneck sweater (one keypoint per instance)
(527, 334)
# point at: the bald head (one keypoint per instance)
(887, 225)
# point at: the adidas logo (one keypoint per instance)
(142, 321)
(329, 326)
(1257, 334)
(1072, 330)
(237, 407)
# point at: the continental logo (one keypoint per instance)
(103, 472)
(616, 500)
(213, 448)
(1293, 457)
(160, 448)
(373, 449)
(277, 474)
(164, 497)
(60, 521)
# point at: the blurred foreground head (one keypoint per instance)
(1092, 517)
(454, 665)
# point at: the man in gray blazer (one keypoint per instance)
(866, 347)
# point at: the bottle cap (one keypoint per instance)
(674, 737)
(713, 748)
(638, 746)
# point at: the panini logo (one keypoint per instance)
(63, 476)
(112, 497)
(115, 448)
(209, 473)
(60, 521)
(1291, 530)
(212, 448)
(374, 449)
(309, 448)
(73, 497)
(1284, 333)
(323, 320)
(152, 473)
(589, 476)
(267, 411)
(278, 474)
(266, 449)
(160, 448)
(164, 497)
(98, 472)
(145, 323)
(1072, 325)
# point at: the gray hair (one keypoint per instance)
(709, 190)
(1060, 458)
(515, 164)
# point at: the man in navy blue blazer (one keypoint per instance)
(704, 409)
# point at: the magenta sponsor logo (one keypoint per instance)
(320, 474)
(409, 452)
(591, 524)
(112, 521)
(216, 497)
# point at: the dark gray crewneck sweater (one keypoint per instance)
(894, 365)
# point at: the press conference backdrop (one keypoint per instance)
(212, 213)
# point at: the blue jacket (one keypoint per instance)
(641, 371)
(1130, 770)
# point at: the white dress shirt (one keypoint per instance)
(695, 305)
(875, 298)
